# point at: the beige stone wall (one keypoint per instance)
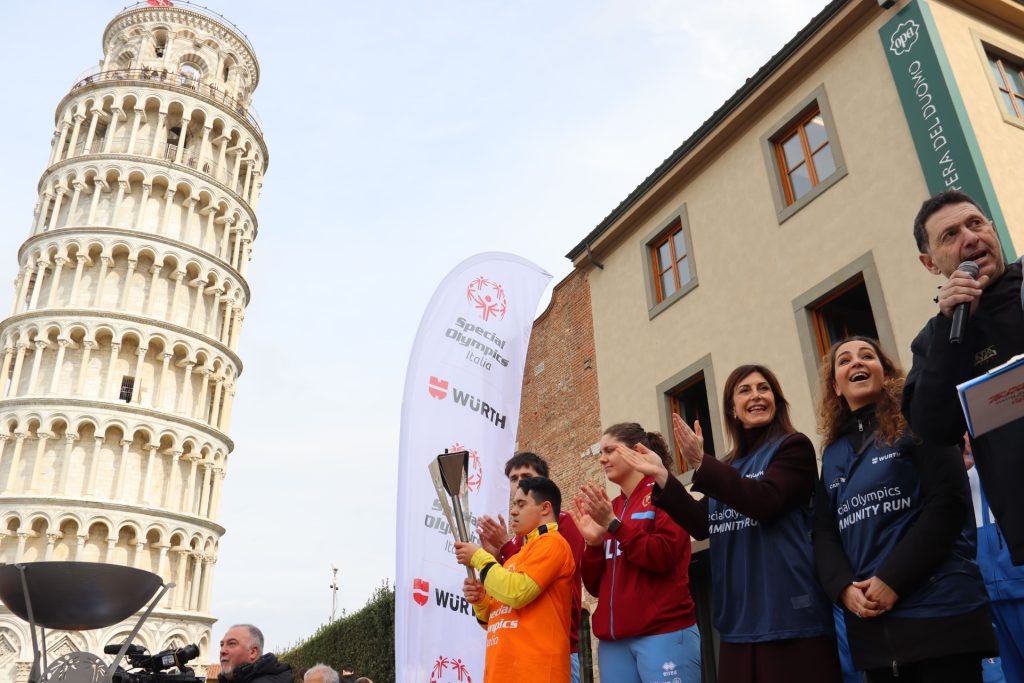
(751, 269)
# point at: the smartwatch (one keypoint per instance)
(614, 525)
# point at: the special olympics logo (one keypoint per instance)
(476, 468)
(904, 37)
(449, 670)
(487, 297)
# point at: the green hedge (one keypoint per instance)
(366, 640)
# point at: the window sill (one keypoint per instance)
(788, 212)
(656, 309)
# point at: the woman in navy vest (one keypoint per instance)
(776, 625)
(894, 532)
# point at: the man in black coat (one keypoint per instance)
(242, 659)
(951, 228)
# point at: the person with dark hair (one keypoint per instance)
(951, 228)
(894, 533)
(524, 605)
(497, 541)
(524, 460)
(774, 621)
(637, 564)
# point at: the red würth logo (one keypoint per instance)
(487, 297)
(438, 388)
(160, 3)
(449, 670)
(420, 591)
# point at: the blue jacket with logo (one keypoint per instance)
(875, 496)
(901, 512)
(765, 585)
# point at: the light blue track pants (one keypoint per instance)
(664, 658)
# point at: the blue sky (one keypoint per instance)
(404, 137)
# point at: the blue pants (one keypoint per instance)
(574, 665)
(663, 658)
(1009, 622)
(850, 675)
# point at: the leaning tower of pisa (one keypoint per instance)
(120, 351)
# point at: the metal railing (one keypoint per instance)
(201, 9)
(167, 151)
(180, 81)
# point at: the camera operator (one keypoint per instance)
(242, 659)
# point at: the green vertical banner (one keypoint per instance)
(946, 146)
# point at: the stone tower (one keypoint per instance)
(120, 352)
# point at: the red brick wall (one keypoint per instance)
(560, 415)
(559, 418)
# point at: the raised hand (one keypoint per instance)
(690, 441)
(493, 534)
(592, 532)
(597, 504)
(958, 289)
(645, 461)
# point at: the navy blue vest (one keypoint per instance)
(875, 497)
(763, 575)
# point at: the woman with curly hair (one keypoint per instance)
(774, 620)
(893, 530)
(636, 562)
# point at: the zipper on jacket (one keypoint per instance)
(860, 426)
(614, 547)
(888, 644)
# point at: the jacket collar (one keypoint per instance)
(542, 529)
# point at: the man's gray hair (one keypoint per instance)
(329, 674)
(255, 636)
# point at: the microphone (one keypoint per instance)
(956, 332)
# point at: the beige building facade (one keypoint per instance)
(119, 355)
(786, 220)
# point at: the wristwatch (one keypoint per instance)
(614, 525)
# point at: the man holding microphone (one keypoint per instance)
(957, 345)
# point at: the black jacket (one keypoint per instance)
(266, 669)
(994, 334)
(888, 641)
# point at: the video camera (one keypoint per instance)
(148, 668)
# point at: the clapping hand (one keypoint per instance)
(592, 532)
(690, 441)
(597, 504)
(645, 461)
(493, 534)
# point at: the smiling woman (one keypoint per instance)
(893, 536)
(756, 513)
